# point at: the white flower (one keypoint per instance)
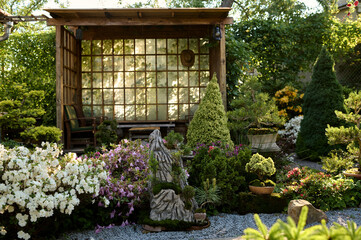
(23, 235)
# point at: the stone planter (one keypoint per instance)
(200, 217)
(264, 142)
(261, 190)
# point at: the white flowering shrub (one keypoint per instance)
(36, 184)
(292, 128)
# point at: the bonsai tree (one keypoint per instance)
(346, 135)
(262, 167)
(107, 133)
(322, 97)
(209, 123)
(253, 109)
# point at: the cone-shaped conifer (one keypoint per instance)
(322, 97)
(209, 123)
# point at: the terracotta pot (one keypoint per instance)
(264, 142)
(200, 217)
(261, 190)
(355, 175)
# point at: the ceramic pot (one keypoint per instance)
(355, 175)
(200, 217)
(262, 190)
(264, 142)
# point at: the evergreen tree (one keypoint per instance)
(323, 96)
(210, 121)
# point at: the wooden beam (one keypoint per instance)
(59, 77)
(222, 66)
(135, 21)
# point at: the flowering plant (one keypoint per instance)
(35, 184)
(292, 128)
(322, 190)
(289, 102)
(127, 166)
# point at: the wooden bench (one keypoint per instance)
(139, 130)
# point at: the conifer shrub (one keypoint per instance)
(209, 123)
(322, 97)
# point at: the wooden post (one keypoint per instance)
(221, 73)
(59, 78)
(218, 64)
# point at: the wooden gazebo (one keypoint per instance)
(138, 65)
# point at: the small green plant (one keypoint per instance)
(291, 231)
(107, 132)
(39, 134)
(173, 140)
(166, 185)
(261, 166)
(188, 193)
(209, 194)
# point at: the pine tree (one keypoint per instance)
(209, 123)
(322, 97)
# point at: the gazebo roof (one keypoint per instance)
(139, 16)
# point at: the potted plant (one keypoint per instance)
(209, 194)
(256, 112)
(350, 135)
(262, 167)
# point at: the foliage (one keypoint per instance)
(107, 133)
(289, 230)
(280, 39)
(157, 187)
(208, 194)
(21, 112)
(320, 189)
(188, 193)
(29, 65)
(224, 164)
(261, 166)
(253, 108)
(348, 135)
(260, 131)
(248, 202)
(323, 96)
(40, 134)
(173, 140)
(337, 161)
(37, 184)
(127, 164)
(209, 123)
(289, 102)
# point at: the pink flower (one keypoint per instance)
(210, 149)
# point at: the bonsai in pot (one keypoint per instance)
(209, 194)
(350, 135)
(256, 112)
(262, 167)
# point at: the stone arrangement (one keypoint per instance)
(166, 204)
(313, 215)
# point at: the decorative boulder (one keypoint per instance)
(167, 205)
(314, 214)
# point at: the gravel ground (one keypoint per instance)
(223, 226)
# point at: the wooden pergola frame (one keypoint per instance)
(119, 23)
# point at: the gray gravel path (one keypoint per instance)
(223, 226)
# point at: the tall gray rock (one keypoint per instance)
(166, 204)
